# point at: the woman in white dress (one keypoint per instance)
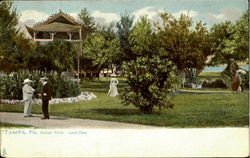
(113, 86)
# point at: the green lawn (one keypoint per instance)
(210, 74)
(191, 110)
(10, 125)
(210, 89)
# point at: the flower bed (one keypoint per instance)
(84, 96)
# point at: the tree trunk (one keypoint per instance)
(231, 68)
(146, 109)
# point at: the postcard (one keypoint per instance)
(124, 78)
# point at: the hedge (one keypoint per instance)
(11, 85)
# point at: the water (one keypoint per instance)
(221, 68)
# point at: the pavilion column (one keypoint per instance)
(34, 34)
(70, 35)
(80, 34)
(52, 35)
(78, 54)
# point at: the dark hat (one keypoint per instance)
(43, 79)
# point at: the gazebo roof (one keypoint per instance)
(55, 27)
(59, 22)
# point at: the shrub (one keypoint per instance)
(245, 80)
(191, 76)
(150, 83)
(11, 85)
(218, 83)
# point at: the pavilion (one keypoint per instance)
(59, 26)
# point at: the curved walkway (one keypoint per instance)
(65, 122)
(149, 142)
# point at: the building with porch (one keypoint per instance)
(59, 26)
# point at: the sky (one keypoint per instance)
(105, 11)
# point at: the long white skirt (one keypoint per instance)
(113, 90)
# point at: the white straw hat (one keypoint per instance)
(27, 81)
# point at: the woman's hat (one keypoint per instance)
(27, 81)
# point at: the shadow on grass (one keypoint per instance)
(100, 86)
(95, 90)
(116, 112)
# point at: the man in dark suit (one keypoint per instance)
(46, 96)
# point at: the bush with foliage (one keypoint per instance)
(245, 80)
(191, 76)
(64, 87)
(150, 83)
(11, 85)
(218, 83)
(150, 75)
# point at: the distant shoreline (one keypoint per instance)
(221, 68)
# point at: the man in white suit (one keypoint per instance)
(27, 97)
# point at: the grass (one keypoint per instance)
(210, 74)
(11, 125)
(191, 110)
(100, 86)
(209, 89)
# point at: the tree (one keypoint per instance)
(241, 37)
(142, 39)
(107, 31)
(62, 55)
(39, 59)
(57, 55)
(186, 47)
(124, 27)
(100, 51)
(149, 76)
(14, 47)
(230, 44)
(88, 23)
(222, 35)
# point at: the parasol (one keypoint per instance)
(241, 71)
